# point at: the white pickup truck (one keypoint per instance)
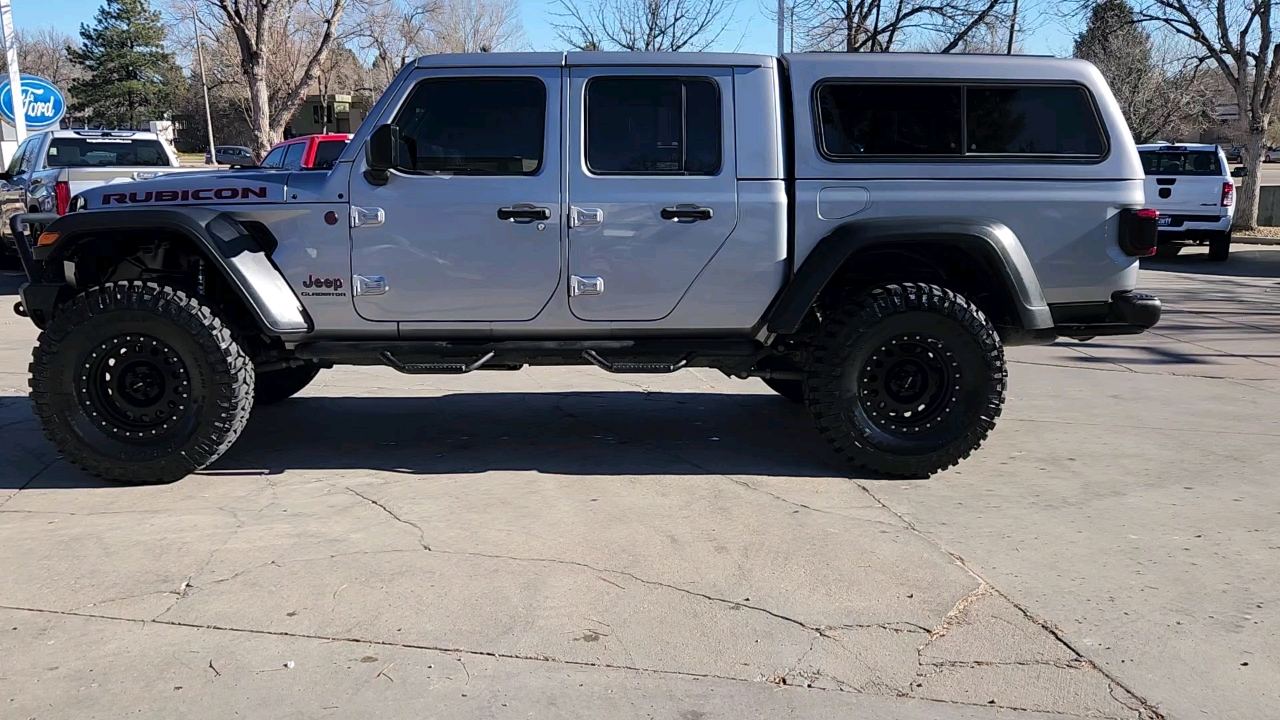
(51, 167)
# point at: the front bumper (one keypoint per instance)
(1127, 313)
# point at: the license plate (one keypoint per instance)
(1164, 220)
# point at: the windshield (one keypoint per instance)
(106, 152)
(1180, 162)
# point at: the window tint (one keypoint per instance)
(273, 158)
(475, 126)
(1032, 121)
(15, 163)
(95, 152)
(653, 125)
(293, 155)
(1180, 162)
(326, 153)
(859, 119)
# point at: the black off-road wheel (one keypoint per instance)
(140, 383)
(276, 386)
(907, 380)
(1220, 247)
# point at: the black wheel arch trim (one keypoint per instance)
(238, 255)
(993, 240)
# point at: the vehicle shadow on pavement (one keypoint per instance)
(1248, 261)
(572, 433)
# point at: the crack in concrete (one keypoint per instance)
(422, 534)
(1148, 710)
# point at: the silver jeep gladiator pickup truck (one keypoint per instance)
(865, 233)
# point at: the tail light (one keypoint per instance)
(1228, 193)
(1138, 229)
(62, 196)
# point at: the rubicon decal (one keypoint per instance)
(168, 196)
(323, 287)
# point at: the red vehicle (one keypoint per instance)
(309, 152)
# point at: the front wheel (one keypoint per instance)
(907, 380)
(140, 383)
(1220, 246)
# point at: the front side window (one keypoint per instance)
(646, 126)
(274, 159)
(15, 163)
(924, 121)
(475, 126)
(908, 120)
(105, 152)
(1032, 121)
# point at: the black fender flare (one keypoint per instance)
(233, 249)
(990, 240)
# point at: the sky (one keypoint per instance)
(749, 31)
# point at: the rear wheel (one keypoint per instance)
(276, 386)
(1220, 246)
(907, 380)
(140, 383)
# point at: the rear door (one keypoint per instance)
(652, 186)
(1183, 181)
(472, 230)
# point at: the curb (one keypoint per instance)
(1251, 240)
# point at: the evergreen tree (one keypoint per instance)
(126, 65)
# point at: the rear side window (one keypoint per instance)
(475, 126)
(104, 152)
(653, 126)
(293, 155)
(926, 121)
(1032, 121)
(1180, 162)
(273, 158)
(327, 152)
(906, 120)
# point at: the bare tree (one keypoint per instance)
(476, 26)
(1160, 92)
(642, 25)
(43, 52)
(1236, 36)
(280, 43)
(887, 25)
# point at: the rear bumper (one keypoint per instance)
(1186, 227)
(1127, 313)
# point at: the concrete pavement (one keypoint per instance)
(564, 543)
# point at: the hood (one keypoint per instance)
(196, 188)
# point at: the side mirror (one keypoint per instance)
(1240, 172)
(383, 153)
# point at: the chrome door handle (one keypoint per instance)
(523, 213)
(687, 213)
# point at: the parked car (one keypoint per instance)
(1235, 153)
(1271, 155)
(864, 232)
(1194, 193)
(308, 152)
(49, 167)
(234, 155)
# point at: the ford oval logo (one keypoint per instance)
(42, 101)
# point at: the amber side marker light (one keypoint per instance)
(47, 238)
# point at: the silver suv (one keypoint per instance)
(865, 233)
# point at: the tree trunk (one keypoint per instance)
(1246, 218)
(259, 109)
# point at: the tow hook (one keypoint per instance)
(19, 310)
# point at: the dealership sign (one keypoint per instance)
(41, 99)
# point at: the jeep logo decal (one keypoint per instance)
(167, 196)
(323, 287)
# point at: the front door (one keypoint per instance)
(652, 186)
(471, 229)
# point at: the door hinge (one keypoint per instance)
(578, 217)
(588, 285)
(369, 284)
(367, 217)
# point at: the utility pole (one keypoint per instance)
(782, 25)
(204, 85)
(1013, 24)
(15, 75)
